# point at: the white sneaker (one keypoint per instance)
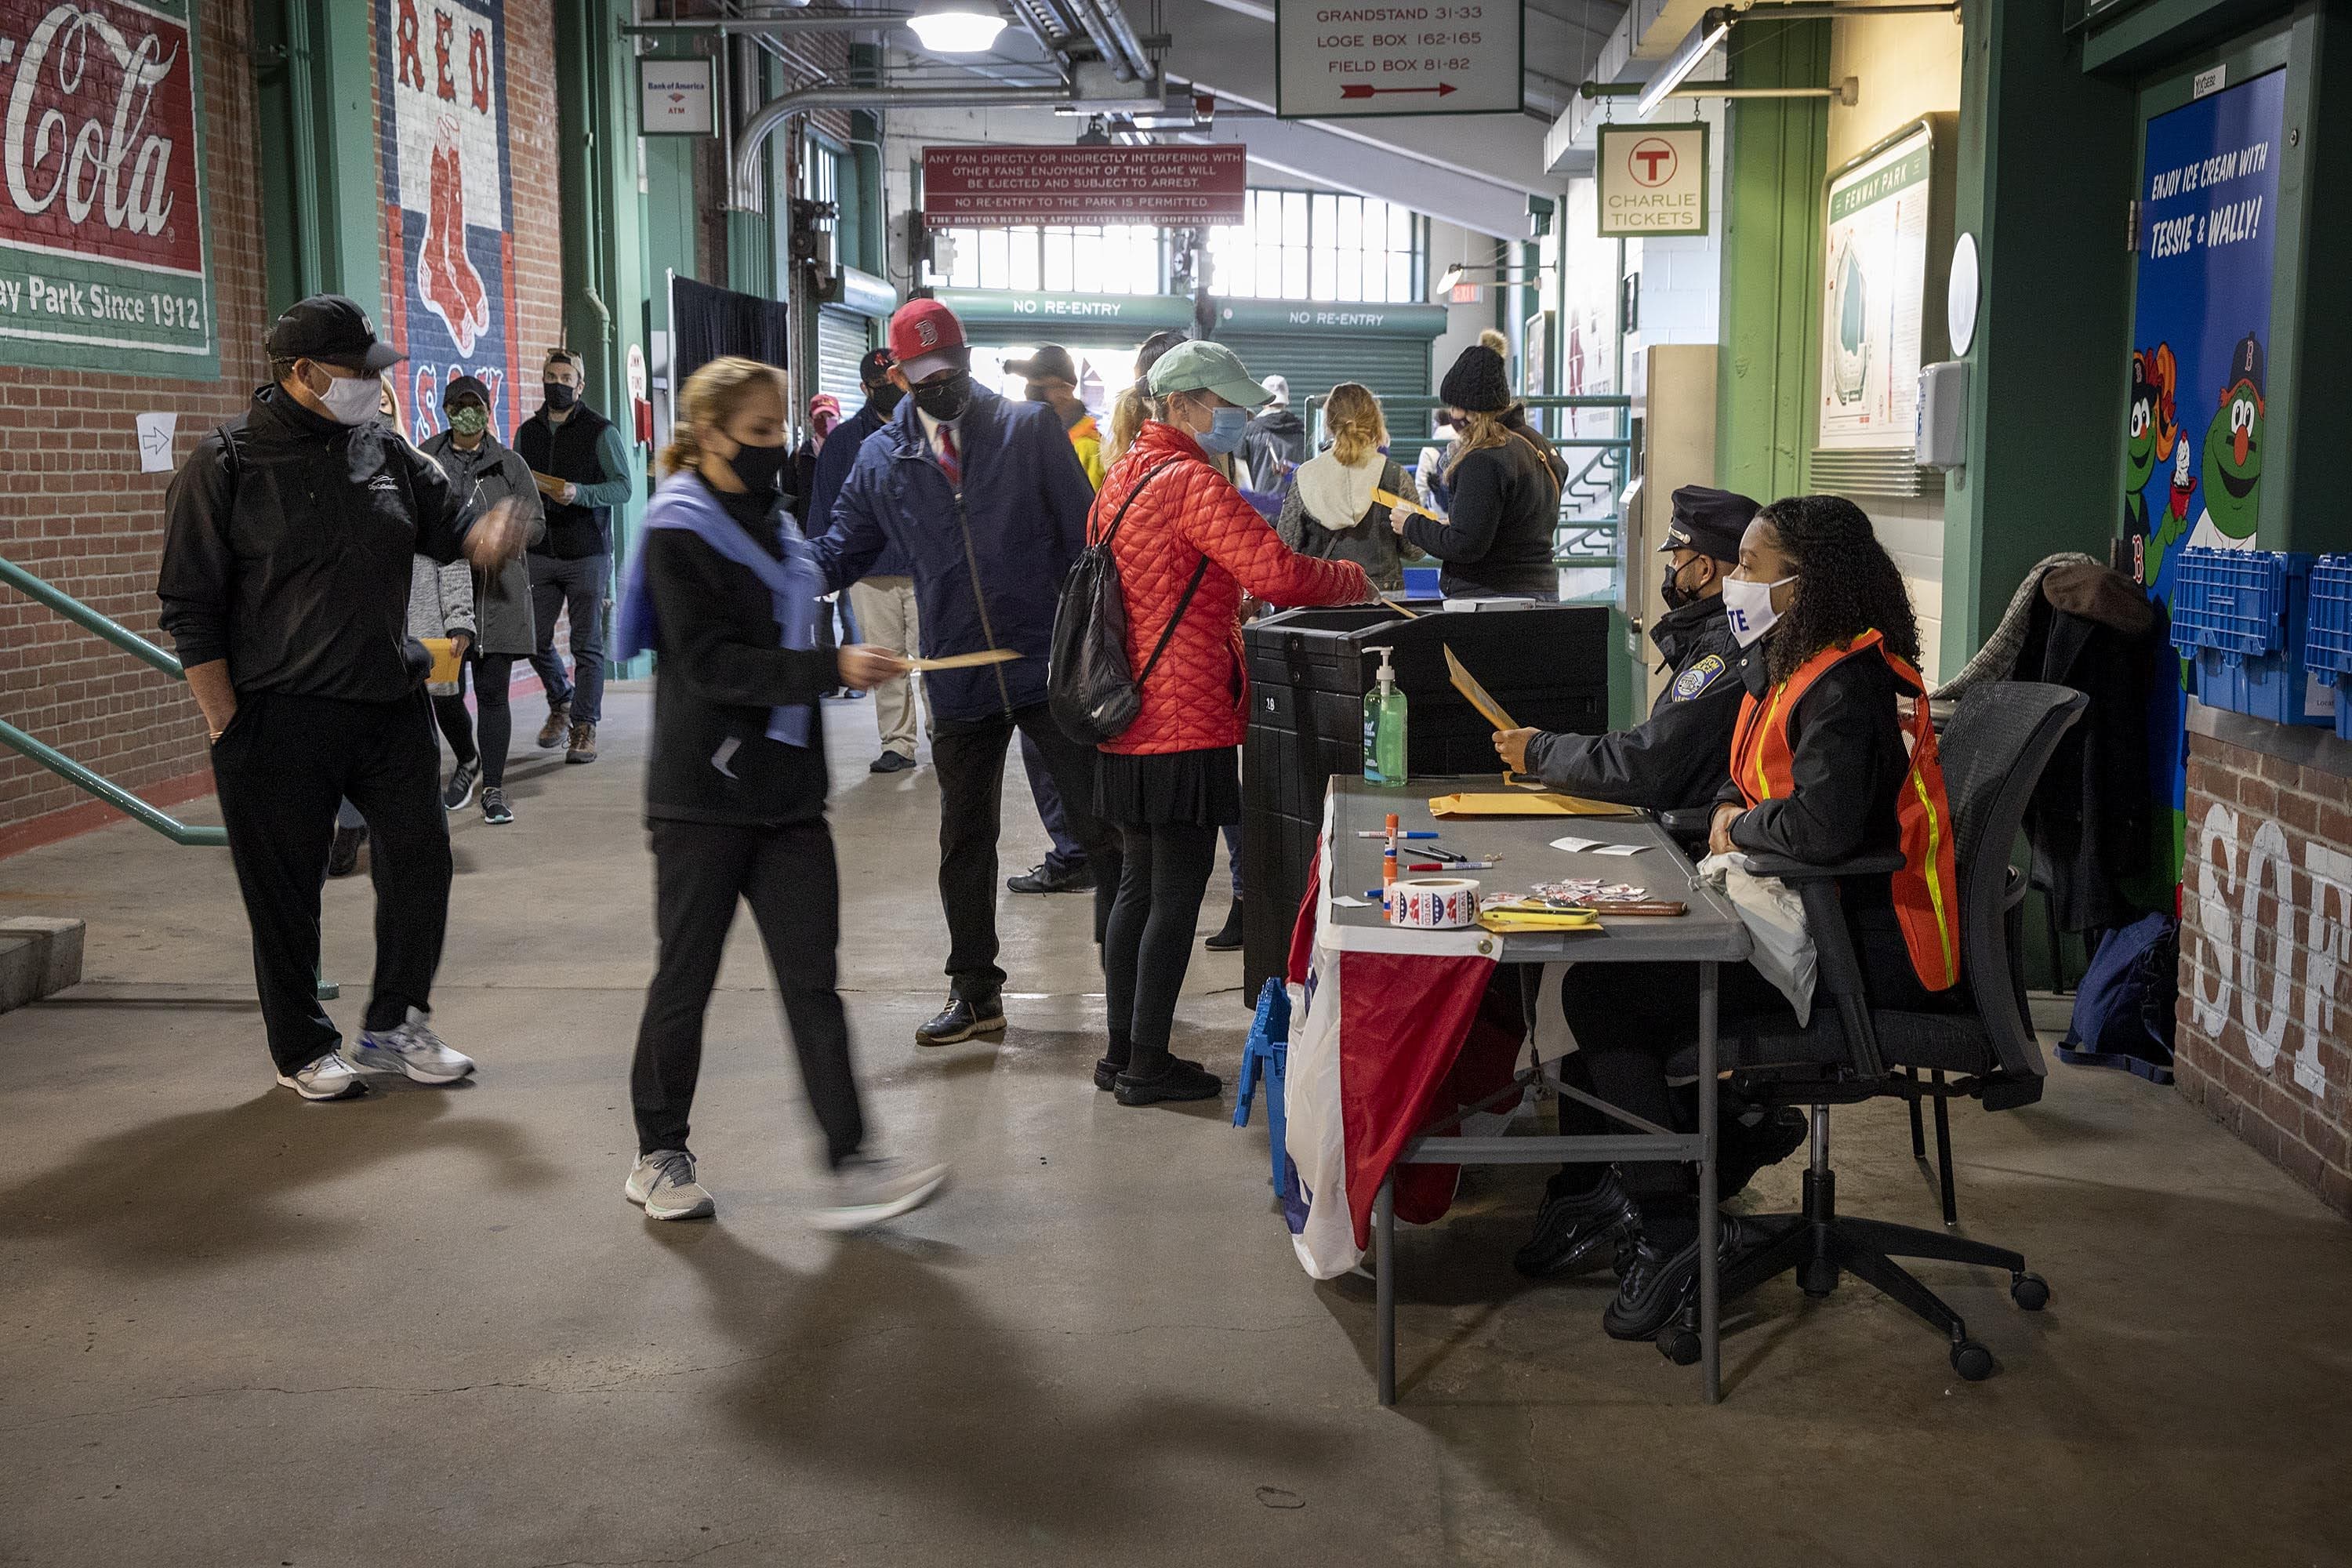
(328, 1077)
(663, 1184)
(412, 1049)
(868, 1189)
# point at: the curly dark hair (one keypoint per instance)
(1847, 583)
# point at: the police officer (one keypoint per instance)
(1678, 756)
(285, 584)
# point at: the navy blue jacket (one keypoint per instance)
(987, 563)
(833, 467)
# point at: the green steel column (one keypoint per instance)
(2310, 397)
(2052, 352)
(322, 210)
(1776, 151)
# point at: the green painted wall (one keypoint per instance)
(322, 207)
(1776, 150)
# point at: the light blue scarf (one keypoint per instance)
(683, 502)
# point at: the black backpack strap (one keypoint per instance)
(1169, 631)
(1121, 515)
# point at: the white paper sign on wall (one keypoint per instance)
(1651, 180)
(675, 98)
(1344, 58)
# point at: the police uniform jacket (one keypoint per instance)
(1681, 756)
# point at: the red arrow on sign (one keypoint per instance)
(1365, 90)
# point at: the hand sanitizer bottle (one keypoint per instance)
(1384, 734)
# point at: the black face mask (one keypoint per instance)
(1673, 591)
(759, 467)
(884, 398)
(945, 401)
(560, 397)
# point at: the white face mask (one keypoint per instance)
(1749, 606)
(352, 399)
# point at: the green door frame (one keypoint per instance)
(322, 207)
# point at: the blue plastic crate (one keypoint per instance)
(2239, 614)
(2327, 633)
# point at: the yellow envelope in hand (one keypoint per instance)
(1522, 804)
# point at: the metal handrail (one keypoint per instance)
(65, 767)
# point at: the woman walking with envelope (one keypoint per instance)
(1186, 546)
(726, 589)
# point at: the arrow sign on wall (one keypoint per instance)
(1365, 90)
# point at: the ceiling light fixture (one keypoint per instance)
(957, 29)
(1712, 29)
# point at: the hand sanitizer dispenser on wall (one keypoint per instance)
(1941, 441)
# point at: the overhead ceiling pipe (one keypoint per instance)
(1098, 32)
(812, 22)
(764, 122)
(1123, 32)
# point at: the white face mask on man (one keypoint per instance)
(1748, 607)
(352, 399)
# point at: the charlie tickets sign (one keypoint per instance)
(446, 210)
(103, 249)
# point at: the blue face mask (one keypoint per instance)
(1225, 432)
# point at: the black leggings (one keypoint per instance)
(493, 673)
(1150, 941)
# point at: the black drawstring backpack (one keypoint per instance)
(1091, 692)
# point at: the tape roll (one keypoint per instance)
(1434, 903)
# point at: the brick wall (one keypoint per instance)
(2265, 1012)
(75, 509)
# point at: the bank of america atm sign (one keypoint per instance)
(103, 250)
(1651, 180)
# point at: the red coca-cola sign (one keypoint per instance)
(98, 145)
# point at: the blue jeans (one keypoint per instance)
(578, 586)
(1067, 855)
(1233, 857)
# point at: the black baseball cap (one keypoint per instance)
(1709, 520)
(1052, 361)
(333, 329)
(465, 386)
(874, 368)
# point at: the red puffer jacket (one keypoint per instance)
(1198, 698)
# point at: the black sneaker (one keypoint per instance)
(1106, 1071)
(458, 793)
(1572, 1228)
(890, 762)
(1046, 880)
(1228, 936)
(1658, 1286)
(1179, 1079)
(344, 855)
(960, 1020)
(1759, 1140)
(495, 810)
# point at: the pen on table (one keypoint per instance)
(1455, 866)
(1376, 833)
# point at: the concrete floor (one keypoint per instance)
(424, 1327)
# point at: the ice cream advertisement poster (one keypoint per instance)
(447, 209)
(1873, 291)
(2198, 401)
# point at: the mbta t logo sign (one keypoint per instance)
(1651, 180)
(1650, 161)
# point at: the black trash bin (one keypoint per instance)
(1548, 665)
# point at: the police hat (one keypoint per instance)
(332, 328)
(1709, 521)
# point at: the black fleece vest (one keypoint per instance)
(568, 451)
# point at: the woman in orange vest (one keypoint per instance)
(1833, 759)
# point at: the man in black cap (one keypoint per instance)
(285, 580)
(581, 467)
(1678, 757)
(883, 599)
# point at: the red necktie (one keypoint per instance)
(951, 462)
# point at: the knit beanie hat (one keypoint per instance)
(1477, 383)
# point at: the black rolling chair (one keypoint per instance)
(1994, 751)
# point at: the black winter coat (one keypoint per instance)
(1499, 536)
(1680, 756)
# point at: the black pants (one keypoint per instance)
(969, 755)
(788, 876)
(493, 673)
(1150, 942)
(280, 769)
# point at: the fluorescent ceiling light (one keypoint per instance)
(1711, 30)
(957, 31)
(1449, 278)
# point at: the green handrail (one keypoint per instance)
(90, 620)
(114, 795)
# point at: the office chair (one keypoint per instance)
(1993, 751)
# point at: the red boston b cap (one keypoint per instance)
(926, 339)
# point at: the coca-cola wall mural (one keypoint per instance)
(446, 183)
(104, 254)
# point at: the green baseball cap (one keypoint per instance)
(1199, 366)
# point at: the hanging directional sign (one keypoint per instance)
(1344, 58)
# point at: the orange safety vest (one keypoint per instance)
(1926, 890)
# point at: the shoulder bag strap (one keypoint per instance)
(1121, 515)
(1169, 631)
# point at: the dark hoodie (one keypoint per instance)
(1275, 443)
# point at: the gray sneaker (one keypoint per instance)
(868, 1189)
(663, 1184)
(412, 1049)
(328, 1077)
